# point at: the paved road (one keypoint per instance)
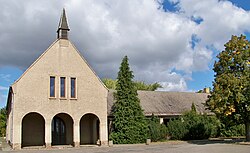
(182, 147)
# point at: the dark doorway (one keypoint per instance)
(58, 131)
(33, 130)
(89, 129)
(62, 130)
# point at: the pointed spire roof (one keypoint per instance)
(63, 28)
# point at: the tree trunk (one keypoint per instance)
(247, 124)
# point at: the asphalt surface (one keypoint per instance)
(169, 147)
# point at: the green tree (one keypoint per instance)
(139, 85)
(3, 117)
(230, 98)
(129, 125)
(109, 83)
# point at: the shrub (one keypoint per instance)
(212, 123)
(176, 129)
(157, 131)
(193, 126)
(231, 131)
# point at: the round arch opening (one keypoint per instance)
(62, 129)
(33, 130)
(89, 129)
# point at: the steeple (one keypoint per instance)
(63, 28)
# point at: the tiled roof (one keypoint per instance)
(166, 103)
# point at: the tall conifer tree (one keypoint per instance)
(129, 125)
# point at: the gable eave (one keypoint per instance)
(26, 71)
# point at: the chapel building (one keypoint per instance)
(59, 99)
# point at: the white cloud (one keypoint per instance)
(158, 43)
(221, 19)
(5, 77)
(3, 88)
(172, 86)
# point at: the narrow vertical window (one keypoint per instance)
(52, 86)
(73, 87)
(62, 86)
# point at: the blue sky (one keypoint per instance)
(175, 43)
